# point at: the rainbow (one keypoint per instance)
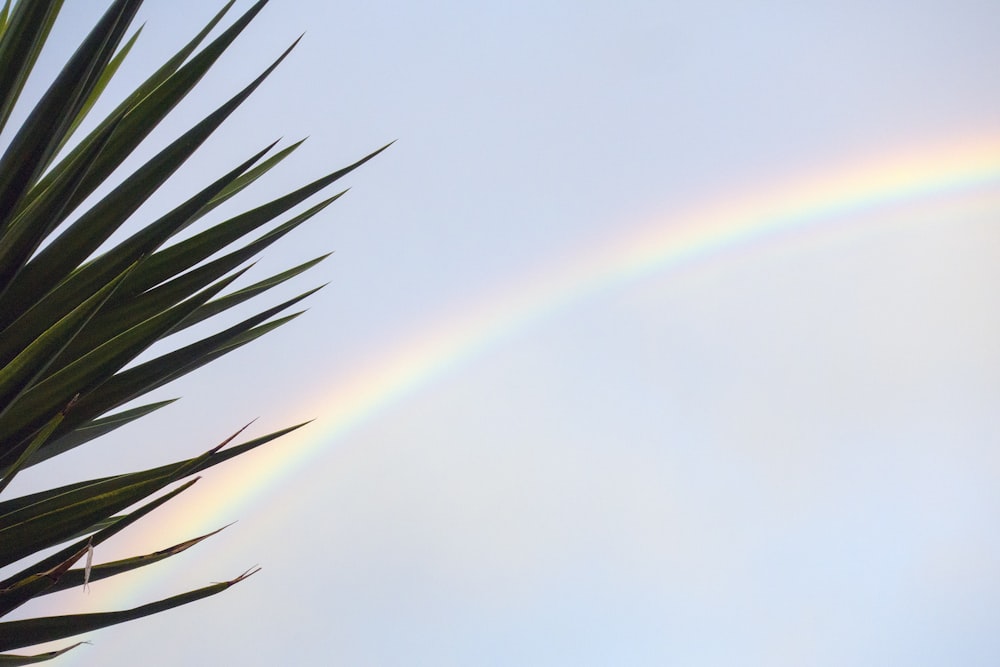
(833, 201)
(811, 206)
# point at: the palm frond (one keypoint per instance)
(76, 318)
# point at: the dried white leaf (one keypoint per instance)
(87, 567)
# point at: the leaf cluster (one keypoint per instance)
(74, 319)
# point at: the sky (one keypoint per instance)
(663, 335)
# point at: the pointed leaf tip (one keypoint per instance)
(246, 575)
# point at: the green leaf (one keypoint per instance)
(35, 142)
(107, 74)
(181, 256)
(92, 536)
(17, 634)
(144, 305)
(25, 31)
(38, 402)
(58, 259)
(195, 465)
(248, 178)
(136, 133)
(46, 524)
(92, 276)
(28, 366)
(53, 519)
(4, 13)
(13, 596)
(8, 660)
(223, 303)
(32, 446)
(95, 428)
(146, 111)
(147, 376)
(35, 221)
(76, 577)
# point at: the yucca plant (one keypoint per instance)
(74, 316)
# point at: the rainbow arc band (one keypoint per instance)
(955, 174)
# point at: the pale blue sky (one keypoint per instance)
(785, 455)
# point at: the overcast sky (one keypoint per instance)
(549, 429)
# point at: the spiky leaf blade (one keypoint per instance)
(18, 634)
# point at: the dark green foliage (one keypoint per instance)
(72, 322)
